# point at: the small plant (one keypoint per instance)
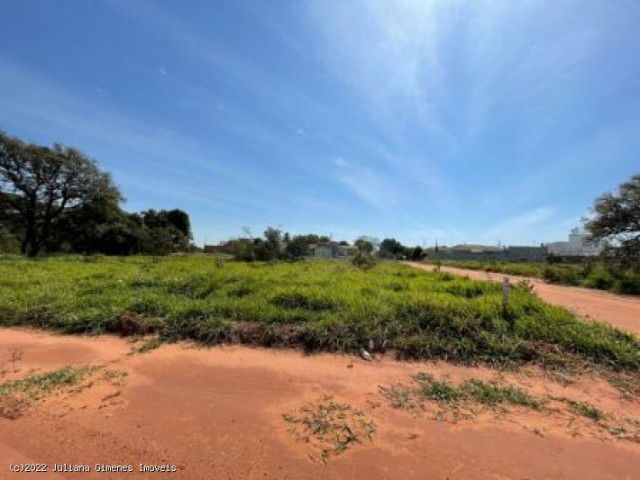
(329, 427)
(402, 397)
(15, 356)
(150, 345)
(45, 382)
(585, 409)
(472, 391)
(436, 390)
(17, 395)
(460, 401)
(525, 286)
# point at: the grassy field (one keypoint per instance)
(588, 274)
(315, 305)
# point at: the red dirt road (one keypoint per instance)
(622, 311)
(217, 414)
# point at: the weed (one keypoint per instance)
(453, 402)
(329, 427)
(150, 345)
(628, 385)
(17, 395)
(43, 383)
(585, 409)
(15, 356)
(475, 391)
(401, 397)
(468, 393)
(436, 390)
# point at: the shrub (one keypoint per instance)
(363, 260)
(599, 278)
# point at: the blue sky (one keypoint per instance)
(457, 121)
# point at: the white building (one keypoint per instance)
(321, 251)
(575, 247)
(332, 250)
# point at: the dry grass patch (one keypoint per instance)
(453, 402)
(17, 396)
(330, 428)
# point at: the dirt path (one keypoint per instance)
(622, 311)
(217, 413)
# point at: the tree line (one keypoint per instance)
(276, 244)
(56, 199)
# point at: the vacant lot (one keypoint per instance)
(238, 412)
(621, 311)
(316, 305)
(590, 274)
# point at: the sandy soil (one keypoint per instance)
(622, 311)
(217, 414)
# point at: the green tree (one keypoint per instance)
(40, 184)
(243, 249)
(88, 228)
(616, 223)
(272, 245)
(364, 246)
(173, 224)
(160, 242)
(417, 253)
(297, 247)
(391, 248)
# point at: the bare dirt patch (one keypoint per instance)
(218, 413)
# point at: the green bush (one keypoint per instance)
(599, 278)
(627, 284)
(363, 260)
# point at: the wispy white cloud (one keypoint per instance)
(511, 229)
(133, 145)
(446, 118)
(387, 53)
(525, 57)
(376, 189)
(324, 125)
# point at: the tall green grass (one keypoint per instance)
(327, 305)
(588, 274)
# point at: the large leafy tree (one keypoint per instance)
(39, 185)
(391, 248)
(169, 230)
(297, 247)
(616, 223)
